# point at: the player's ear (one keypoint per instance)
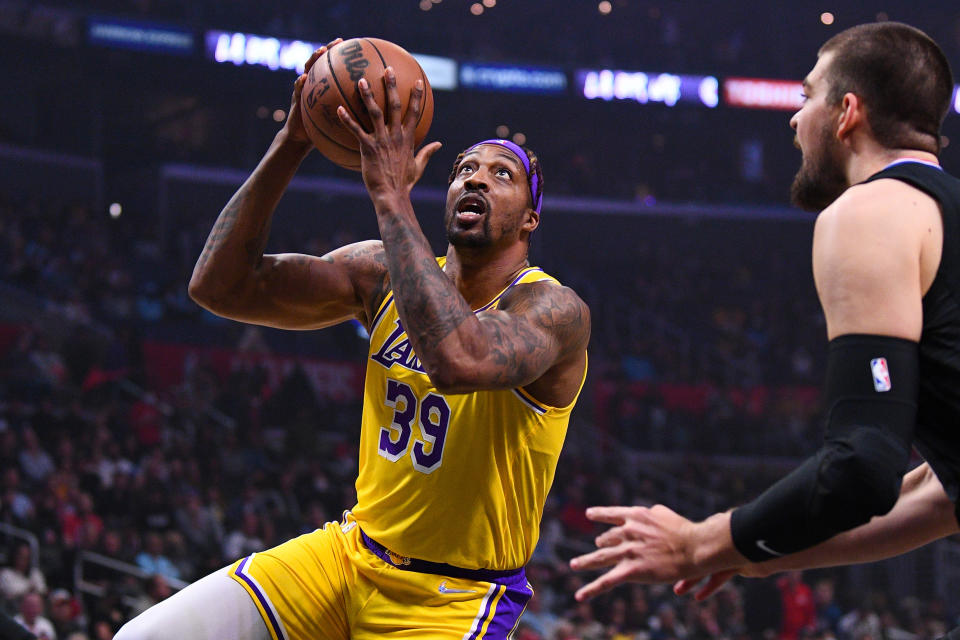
(531, 221)
(852, 115)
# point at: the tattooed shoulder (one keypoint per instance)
(553, 307)
(367, 264)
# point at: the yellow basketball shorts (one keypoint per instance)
(337, 583)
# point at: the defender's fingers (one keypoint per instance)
(611, 538)
(714, 584)
(599, 559)
(609, 515)
(607, 581)
(683, 587)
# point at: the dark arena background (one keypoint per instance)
(145, 442)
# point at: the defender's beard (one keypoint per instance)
(821, 178)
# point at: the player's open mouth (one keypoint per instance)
(470, 207)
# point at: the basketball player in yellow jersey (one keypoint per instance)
(475, 362)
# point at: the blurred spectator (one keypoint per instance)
(31, 617)
(21, 577)
(157, 590)
(153, 560)
(66, 613)
(828, 611)
(35, 462)
(664, 625)
(538, 620)
(198, 524)
(81, 526)
(15, 505)
(799, 609)
(244, 540)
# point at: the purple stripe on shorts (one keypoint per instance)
(509, 608)
(482, 618)
(239, 572)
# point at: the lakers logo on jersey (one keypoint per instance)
(396, 349)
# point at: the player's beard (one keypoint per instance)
(475, 237)
(821, 178)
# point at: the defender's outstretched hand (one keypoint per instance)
(711, 586)
(389, 163)
(657, 545)
(645, 545)
(293, 127)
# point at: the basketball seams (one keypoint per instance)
(322, 132)
(426, 93)
(350, 64)
(383, 61)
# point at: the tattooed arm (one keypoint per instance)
(234, 279)
(537, 326)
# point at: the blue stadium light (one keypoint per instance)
(644, 87)
(513, 79)
(956, 98)
(139, 36)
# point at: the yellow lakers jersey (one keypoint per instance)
(458, 479)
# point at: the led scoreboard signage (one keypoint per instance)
(645, 87)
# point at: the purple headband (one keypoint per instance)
(522, 156)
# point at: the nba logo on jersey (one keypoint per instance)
(881, 375)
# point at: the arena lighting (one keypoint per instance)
(139, 36)
(644, 87)
(514, 79)
(956, 98)
(265, 51)
(275, 54)
(760, 93)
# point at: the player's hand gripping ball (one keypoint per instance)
(332, 81)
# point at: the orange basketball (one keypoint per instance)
(332, 82)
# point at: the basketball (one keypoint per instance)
(332, 82)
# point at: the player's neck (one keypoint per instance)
(863, 165)
(480, 275)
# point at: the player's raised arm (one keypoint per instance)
(233, 277)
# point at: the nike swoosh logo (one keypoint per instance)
(762, 545)
(443, 588)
